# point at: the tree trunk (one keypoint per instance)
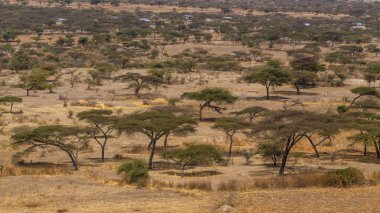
(283, 162)
(11, 108)
(230, 149)
(267, 90)
(313, 145)
(73, 160)
(150, 163)
(377, 149)
(298, 90)
(365, 150)
(103, 150)
(200, 112)
(183, 171)
(166, 141)
(27, 92)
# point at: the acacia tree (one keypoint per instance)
(272, 74)
(139, 81)
(325, 126)
(302, 79)
(211, 98)
(252, 112)
(11, 100)
(155, 125)
(287, 128)
(34, 80)
(176, 110)
(102, 122)
(230, 126)
(65, 138)
(194, 154)
(363, 91)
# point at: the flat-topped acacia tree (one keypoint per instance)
(271, 74)
(287, 128)
(10, 100)
(138, 81)
(64, 138)
(211, 98)
(155, 125)
(251, 112)
(364, 91)
(231, 126)
(102, 123)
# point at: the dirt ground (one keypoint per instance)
(75, 194)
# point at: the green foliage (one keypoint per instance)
(134, 171)
(209, 96)
(307, 64)
(272, 74)
(11, 100)
(270, 150)
(247, 154)
(98, 116)
(218, 95)
(20, 61)
(365, 91)
(165, 74)
(65, 138)
(194, 154)
(342, 108)
(34, 80)
(105, 69)
(252, 112)
(230, 125)
(347, 177)
(155, 125)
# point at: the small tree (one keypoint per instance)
(155, 125)
(105, 70)
(194, 154)
(363, 91)
(20, 61)
(230, 126)
(134, 170)
(302, 79)
(272, 74)
(102, 122)
(271, 150)
(11, 100)
(139, 81)
(211, 96)
(34, 80)
(65, 138)
(252, 112)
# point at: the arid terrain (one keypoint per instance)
(149, 81)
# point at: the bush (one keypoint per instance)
(347, 177)
(134, 171)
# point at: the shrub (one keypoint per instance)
(134, 171)
(347, 177)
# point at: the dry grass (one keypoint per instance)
(35, 170)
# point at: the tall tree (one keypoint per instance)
(65, 138)
(231, 126)
(155, 125)
(102, 123)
